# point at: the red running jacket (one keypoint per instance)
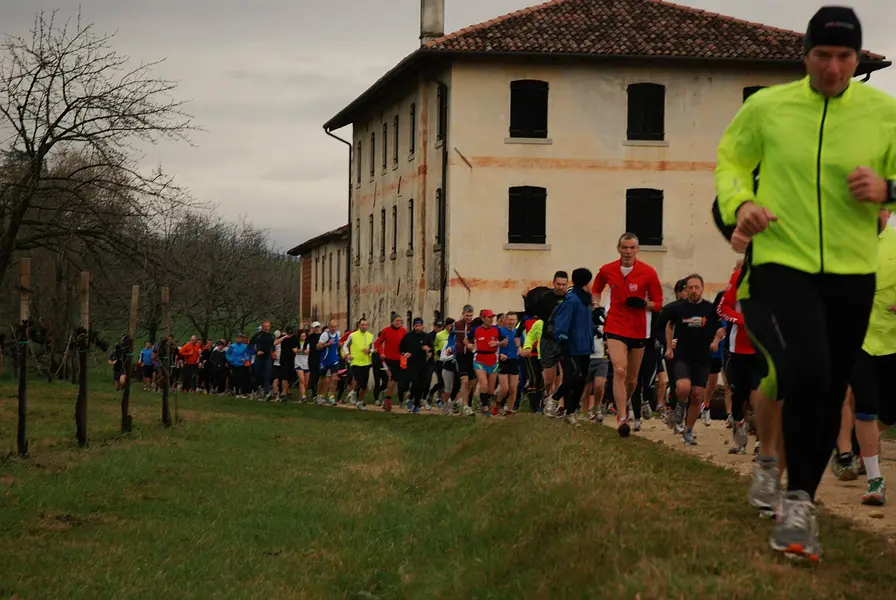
(642, 282)
(729, 309)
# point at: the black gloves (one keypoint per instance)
(635, 302)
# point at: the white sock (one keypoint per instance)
(872, 466)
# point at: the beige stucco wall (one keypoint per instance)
(586, 169)
(408, 279)
(328, 294)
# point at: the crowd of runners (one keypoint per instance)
(807, 321)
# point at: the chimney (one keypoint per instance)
(432, 20)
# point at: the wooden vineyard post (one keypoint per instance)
(82, 345)
(126, 420)
(165, 360)
(25, 318)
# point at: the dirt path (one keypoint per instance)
(841, 498)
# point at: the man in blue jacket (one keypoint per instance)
(572, 329)
(239, 359)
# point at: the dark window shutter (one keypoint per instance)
(644, 215)
(395, 140)
(749, 91)
(529, 109)
(527, 215)
(646, 112)
(537, 217)
(516, 222)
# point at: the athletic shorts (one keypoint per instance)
(549, 353)
(696, 371)
(598, 367)
(362, 375)
(147, 371)
(631, 343)
(117, 372)
(288, 375)
(715, 366)
(329, 370)
(871, 382)
(489, 369)
(511, 366)
(465, 365)
(742, 371)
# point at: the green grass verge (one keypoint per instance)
(245, 499)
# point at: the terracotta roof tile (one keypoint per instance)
(627, 28)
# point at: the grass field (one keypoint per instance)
(245, 499)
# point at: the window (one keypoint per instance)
(412, 139)
(646, 111)
(357, 239)
(358, 161)
(331, 271)
(411, 224)
(439, 223)
(385, 144)
(528, 109)
(644, 215)
(395, 140)
(338, 268)
(443, 112)
(383, 232)
(323, 272)
(316, 272)
(370, 227)
(394, 229)
(526, 215)
(749, 91)
(372, 153)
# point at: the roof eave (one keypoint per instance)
(338, 234)
(865, 66)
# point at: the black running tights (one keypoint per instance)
(809, 328)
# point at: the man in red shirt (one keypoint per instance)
(635, 292)
(387, 346)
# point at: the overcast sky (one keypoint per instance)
(264, 75)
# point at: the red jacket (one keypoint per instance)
(388, 341)
(642, 282)
(729, 309)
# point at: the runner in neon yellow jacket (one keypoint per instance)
(871, 380)
(826, 147)
(791, 130)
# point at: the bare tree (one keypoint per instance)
(71, 113)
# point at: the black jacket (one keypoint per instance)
(414, 342)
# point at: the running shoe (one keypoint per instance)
(637, 426)
(378, 402)
(876, 495)
(740, 439)
(331, 401)
(688, 437)
(707, 419)
(646, 411)
(797, 532)
(409, 404)
(468, 411)
(572, 420)
(550, 406)
(765, 489)
(678, 429)
(669, 418)
(623, 429)
(415, 410)
(360, 405)
(756, 449)
(387, 406)
(599, 416)
(843, 466)
(729, 422)
(427, 405)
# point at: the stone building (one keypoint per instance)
(492, 156)
(323, 290)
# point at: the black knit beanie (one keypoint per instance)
(581, 277)
(834, 26)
